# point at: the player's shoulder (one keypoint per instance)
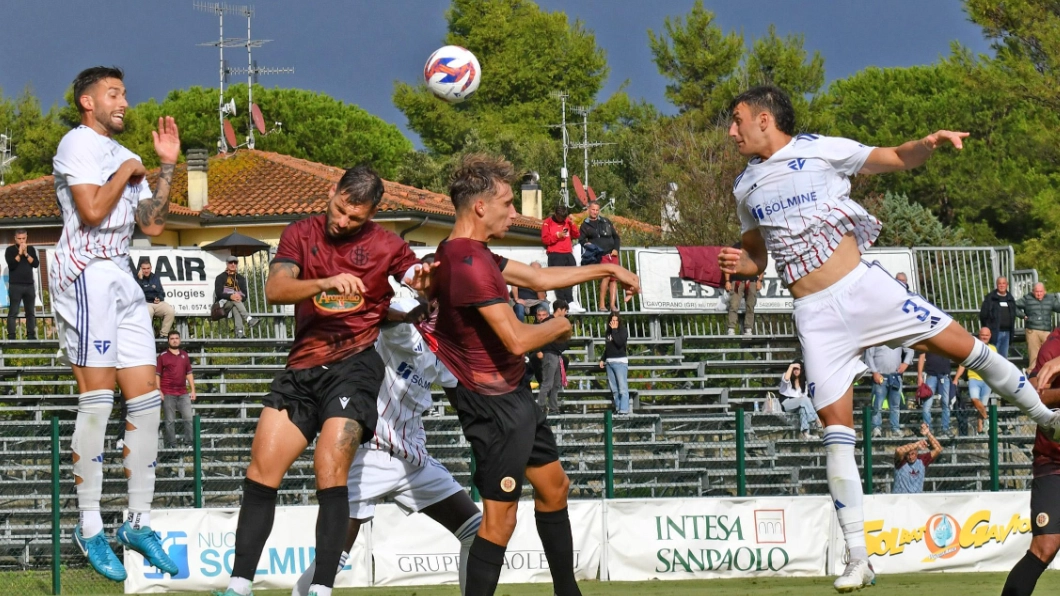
(809, 144)
(78, 138)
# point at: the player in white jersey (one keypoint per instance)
(794, 203)
(104, 326)
(395, 464)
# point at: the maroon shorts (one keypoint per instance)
(609, 259)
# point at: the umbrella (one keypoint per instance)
(239, 245)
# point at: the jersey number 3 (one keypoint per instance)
(914, 308)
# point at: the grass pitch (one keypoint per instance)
(82, 583)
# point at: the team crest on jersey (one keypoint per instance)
(1042, 519)
(332, 301)
(508, 484)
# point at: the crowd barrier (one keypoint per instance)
(620, 540)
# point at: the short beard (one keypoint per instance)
(109, 126)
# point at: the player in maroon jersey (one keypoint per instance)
(334, 268)
(1045, 489)
(482, 342)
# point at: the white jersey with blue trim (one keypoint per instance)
(800, 200)
(86, 157)
(410, 369)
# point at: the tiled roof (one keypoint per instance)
(252, 183)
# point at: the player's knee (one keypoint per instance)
(498, 524)
(1045, 547)
(553, 497)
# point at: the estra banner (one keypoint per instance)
(714, 538)
(944, 532)
(202, 543)
(412, 550)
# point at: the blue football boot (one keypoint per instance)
(145, 542)
(100, 556)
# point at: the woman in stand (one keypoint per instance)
(793, 396)
(616, 361)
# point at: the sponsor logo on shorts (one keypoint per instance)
(102, 345)
(1042, 519)
(508, 484)
(332, 301)
(344, 401)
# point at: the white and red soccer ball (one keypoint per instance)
(452, 73)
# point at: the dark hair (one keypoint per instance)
(361, 185)
(428, 259)
(89, 77)
(560, 210)
(172, 333)
(614, 315)
(21, 231)
(478, 173)
(768, 98)
(560, 305)
(801, 378)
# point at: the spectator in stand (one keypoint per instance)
(793, 396)
(910, 464)
(230, 291)
(155, 295)
(887, 365)
(977, 388)
(174, 378)
(934, 371)
(1037, 310)
(556, 234)
(600, 232)
(21, 261)
(998, 313)
(616, 361)
(551, 356)
(526, 299)
(533, 369)
(746, 288)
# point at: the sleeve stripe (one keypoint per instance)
(489, 303)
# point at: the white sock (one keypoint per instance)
(90, 430)
(139, 520)
(141, 449)
(305, 581)
(844, 484)
(1003, 377)
(466, 535)
(345, 556)
(239, 585)
(91, 523)
(319, 590)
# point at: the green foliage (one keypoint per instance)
(707, 67)
(909, 224)
(35, 135)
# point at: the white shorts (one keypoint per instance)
(376, 475)
(867, 308)
(103, 320)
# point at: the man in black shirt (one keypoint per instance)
(155, 295)
(746, 288)
(998, 314)
(21, 261)
(600, 232)
(936, 372)
(551, 356)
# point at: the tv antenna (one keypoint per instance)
(585, 145)
(562, 97)
(5, 155)
(252, 70)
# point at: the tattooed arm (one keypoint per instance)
(284, 287)
(151, 213)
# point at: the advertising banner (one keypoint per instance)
(187, 275)
(663, 290)
(202, 544)
(413, 550)
(717, 538)
(945, 532)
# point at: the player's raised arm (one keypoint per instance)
(284, 287)
(151, 213)
(910, 155)
(550, 278)
(749, 260)
(518, 337)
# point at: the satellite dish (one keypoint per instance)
(592, 195)
(579, 190)
(229, 108)
(230, 135)
(257, 118)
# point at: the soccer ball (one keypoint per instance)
(452, 73)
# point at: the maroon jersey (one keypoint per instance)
(330, 327)
(173, 370)
(1046, 451)
(466, 278)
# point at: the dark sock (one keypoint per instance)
(1024, 576)
(332, 520)
(484, 562)
(254, 526)
(554, 529)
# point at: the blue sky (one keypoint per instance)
(354, 50)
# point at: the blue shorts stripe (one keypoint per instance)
(81, 320)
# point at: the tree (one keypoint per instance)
(34, 134)
(707, 67)
(908, 224)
